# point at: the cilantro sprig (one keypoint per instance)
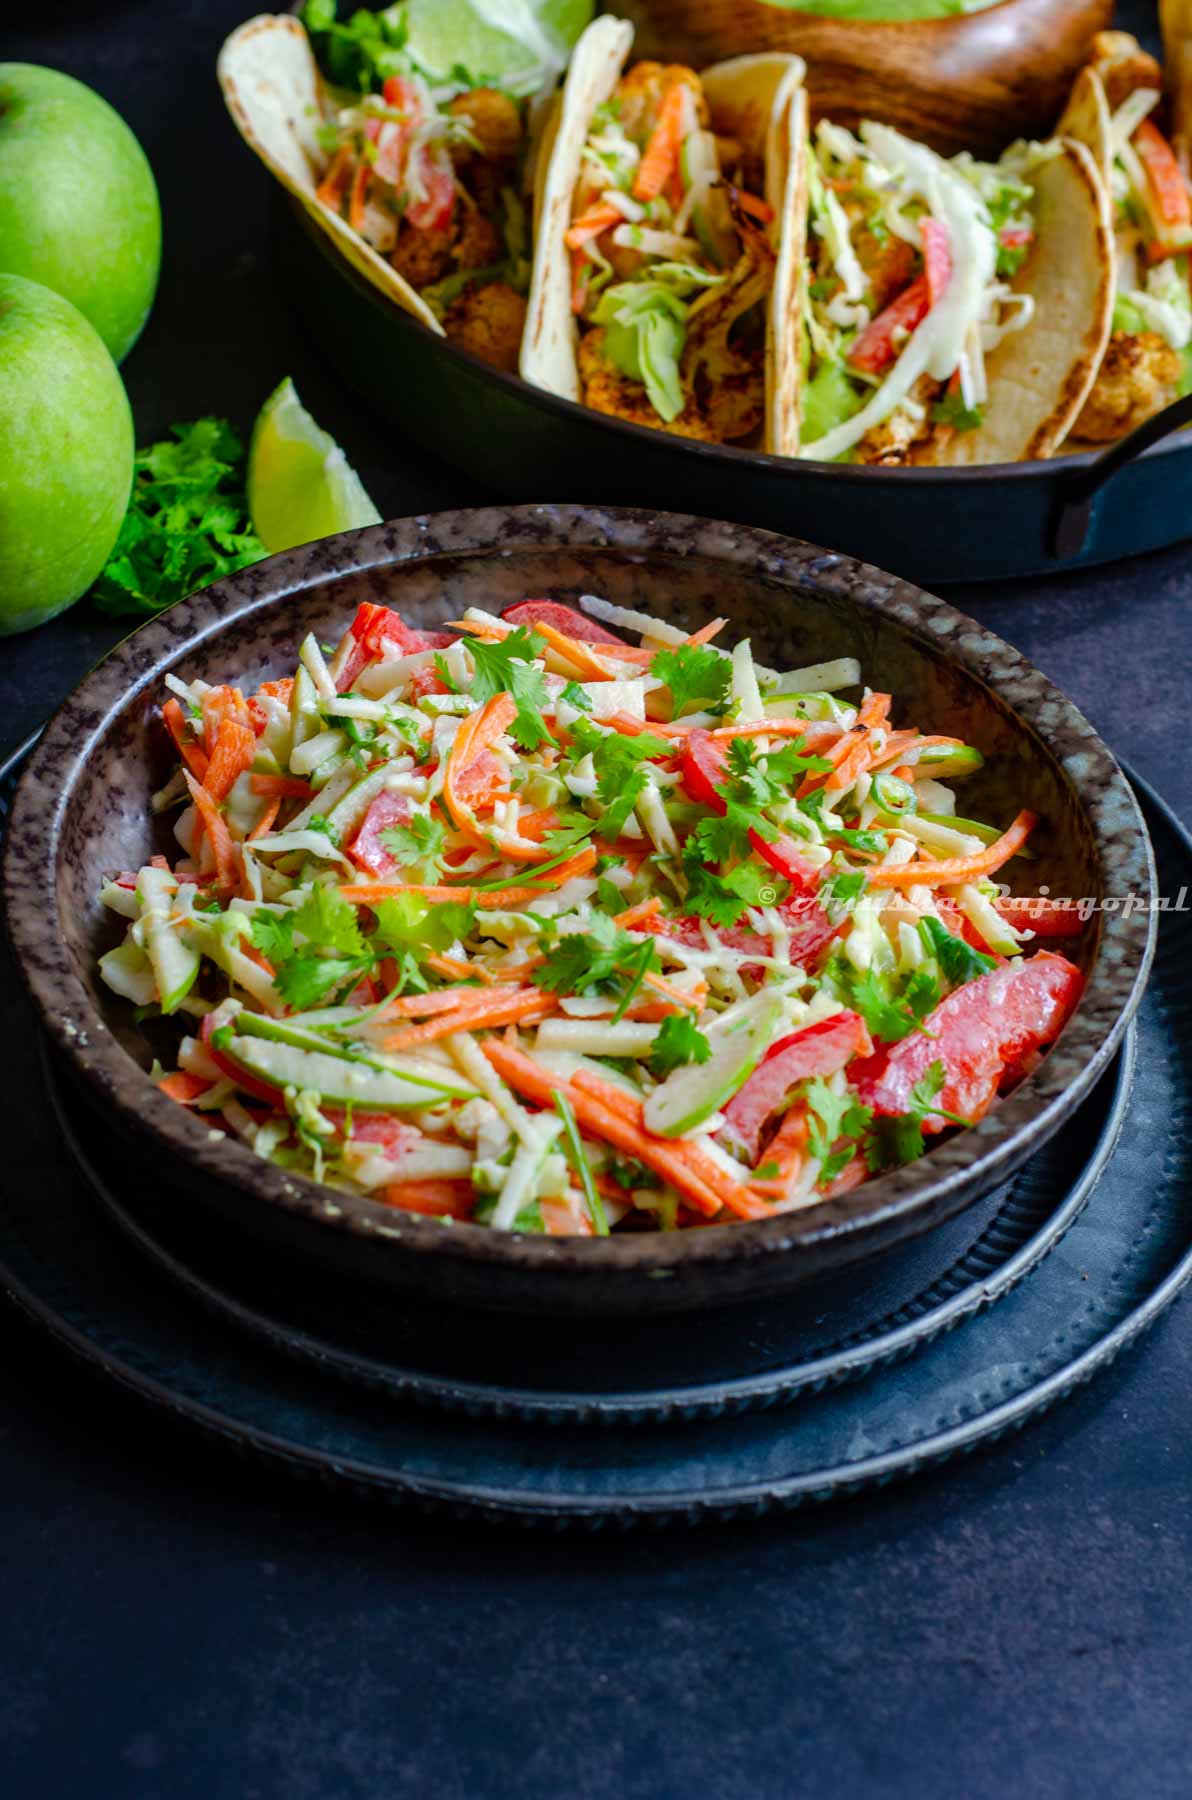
(696, 676)
(508, 667)
(620, 773)
(679, 1041)
(602, 959)
(187, 521)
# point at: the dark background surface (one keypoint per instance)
(175, 1623)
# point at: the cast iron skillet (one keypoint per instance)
(931, 525)
(82, 812)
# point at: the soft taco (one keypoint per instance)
(419, 184)
(663, 258)
(1119, 112)
(953, 311)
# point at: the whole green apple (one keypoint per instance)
(78, 203)
(66, 450)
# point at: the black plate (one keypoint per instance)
(931, 525)
(647, 1369)
(1111, 1274)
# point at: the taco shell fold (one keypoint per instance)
(276, 97)
(757, 100)
(1040, 377)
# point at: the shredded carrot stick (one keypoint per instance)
(786, 1149)
(851, 766)
(267, 820)
(900, 743)
(359, 196)
(535, 825)
(616, 1127)
(637, 915)
(330, 191)
(286, 787)
(904, 772)
(707, 632)
(661, 154)
(440, 1197)
(226, 872)
(582, 231)
(192, 754)
(184, 1087)
(954, 869)
(446, 1000)
(367, 893)
(233, 751)
(874, 710)
(707, 1172)
(482, 1011)
(456, 970)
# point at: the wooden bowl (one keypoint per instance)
(972, 82)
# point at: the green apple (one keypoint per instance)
(691, 1094)
(66, 450)
(78, 203)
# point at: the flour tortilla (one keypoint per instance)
(1040, 377)
(1086, 118)
(548, 350)
(757, 100)
(275, 94)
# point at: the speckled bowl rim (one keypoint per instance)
(973, 1160)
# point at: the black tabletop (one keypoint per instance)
(176, 1623)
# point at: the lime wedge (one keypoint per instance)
(494, 40)
(300, 484)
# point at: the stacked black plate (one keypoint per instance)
(935, 1348)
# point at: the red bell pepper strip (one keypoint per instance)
(819, 1049)
(874, 348)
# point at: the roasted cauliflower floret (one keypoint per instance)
(1138, 376)
(493, 121)
(606, 390)
(488, 321)
(478, 241)
(422, 257)
(892, 443)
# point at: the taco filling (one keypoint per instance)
(910, 260)
(1148, 361)
(671, 264)
(430, 178)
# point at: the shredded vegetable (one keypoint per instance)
(525, 926)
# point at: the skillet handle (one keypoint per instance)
(1077, 499)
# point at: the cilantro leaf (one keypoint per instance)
(187, 521)
(330, 922)
(958, 961)
(695, 675)
(620, 778)
(835, 1122)
(507, 668)
(872, 843)
(577, 697)
(273, 935)
(951, 410)
(306, 980)
(927, 1090)
(419, 840)
(409, 924)
(573, 829)
(900, 1140)
(679, 1041)
(602, 959)
(891, 1007)
(723, 899)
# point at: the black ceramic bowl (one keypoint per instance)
(82, 811)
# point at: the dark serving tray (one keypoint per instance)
(1068, 1265)
(933, 526)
